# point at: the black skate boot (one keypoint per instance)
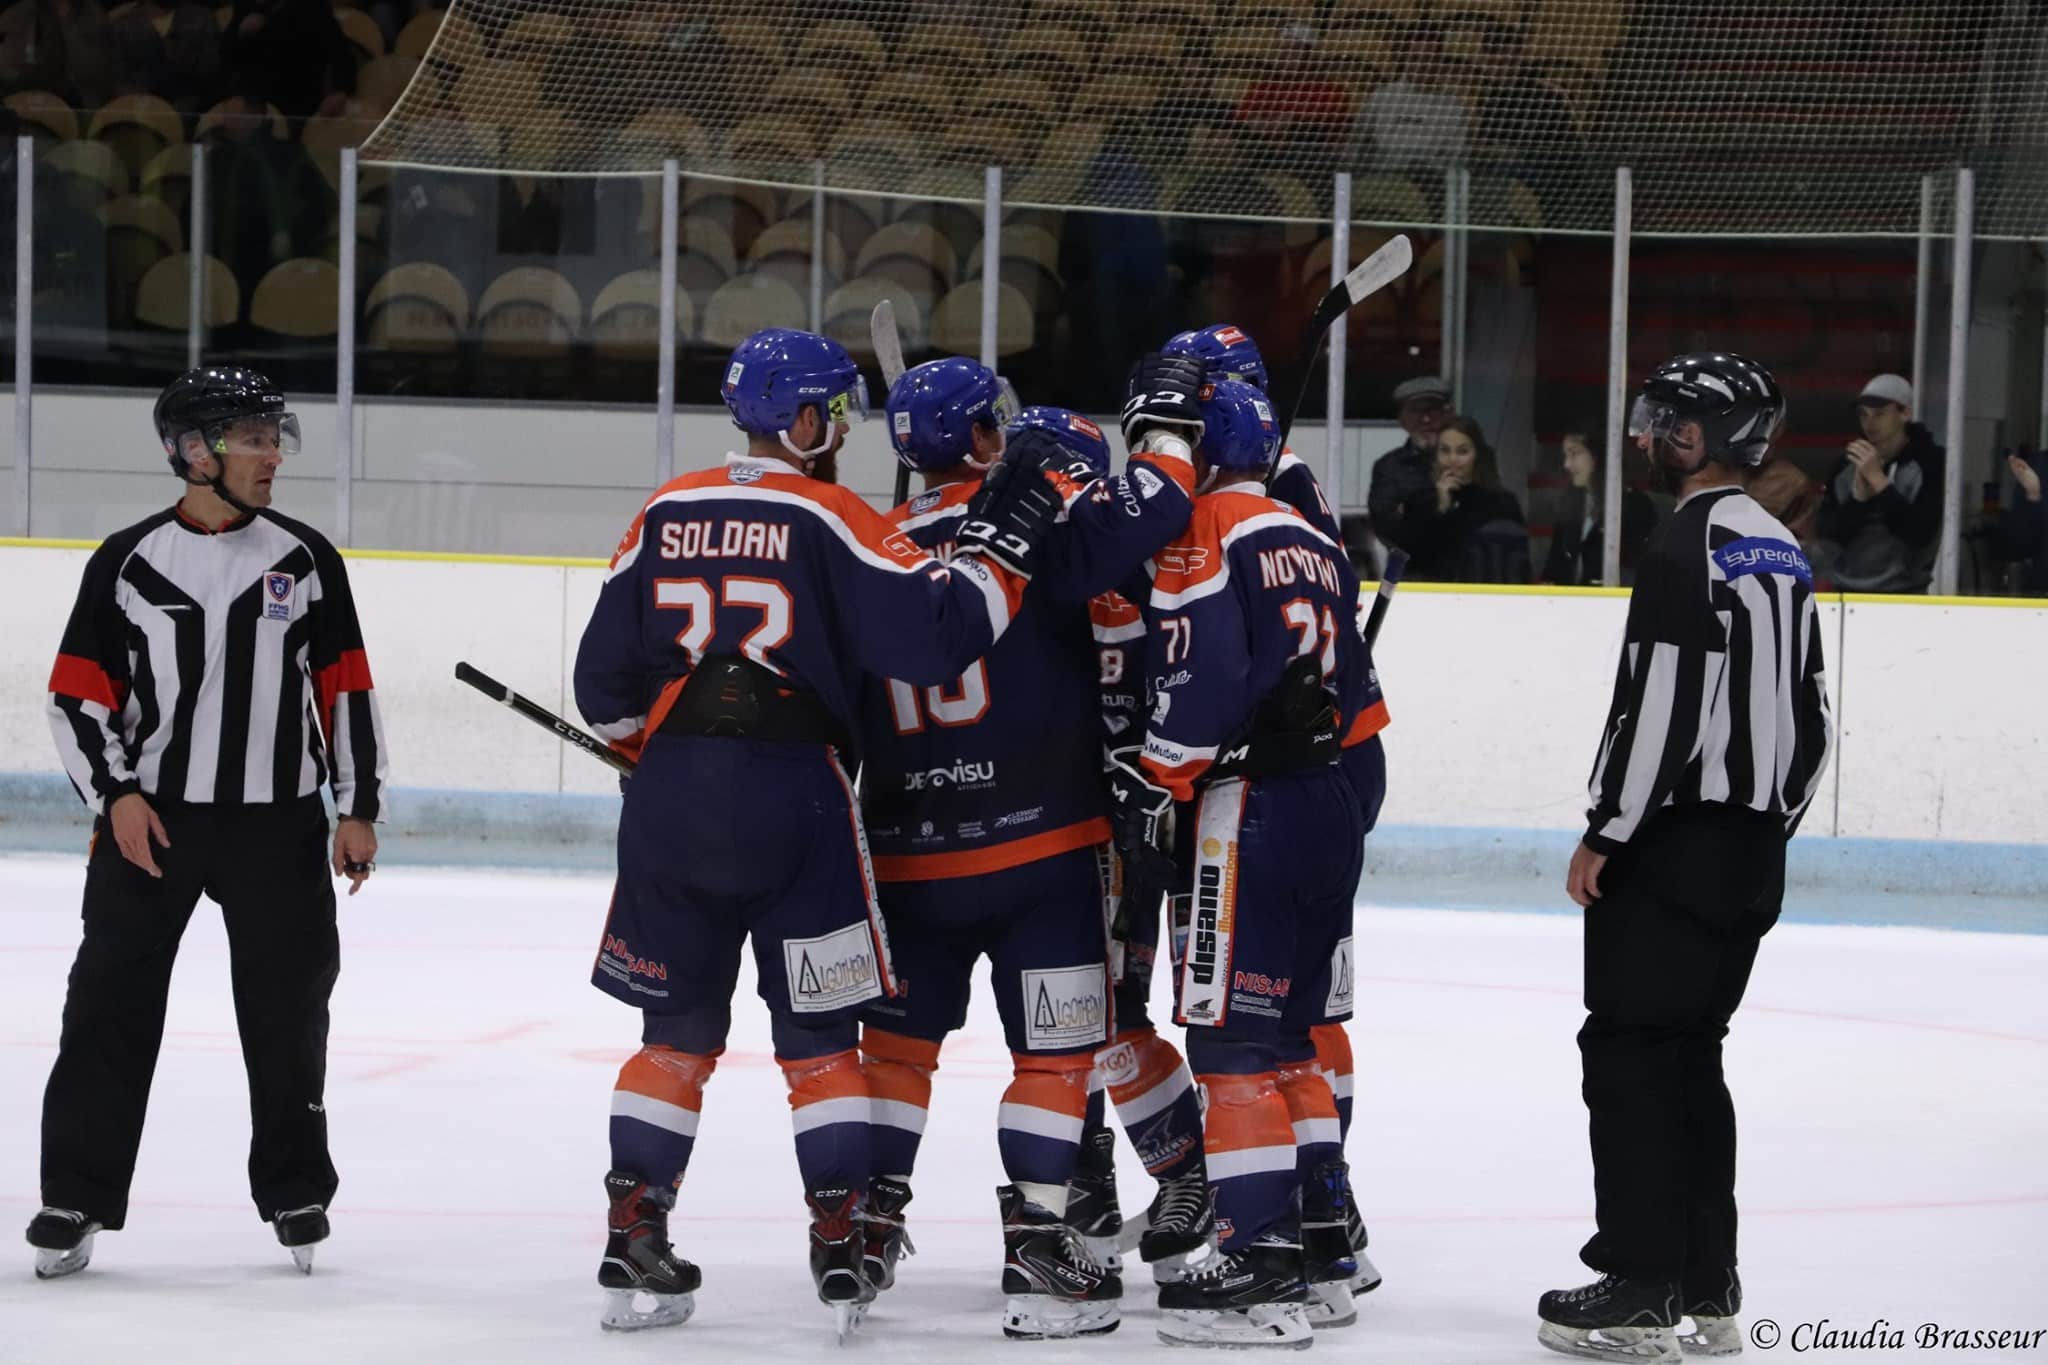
(1252, 1297)
(1367, 1277)
(1613, 1318)
(1327, 1263)
(63, 1242)
(1178, 1226)
(299, 1231)
(838, 1244)
(639, 1261)
(1054, 1288)
(1712, 1299)
(1091, 1198)
(885, 1240)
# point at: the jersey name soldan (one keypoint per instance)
(724, 540)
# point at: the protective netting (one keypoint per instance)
(1754, 117)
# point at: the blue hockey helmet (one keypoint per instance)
(1239, 430)
(1075, 433)
(1229, 352)
(779, 371)
(934, 407)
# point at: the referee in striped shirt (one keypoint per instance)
(1715, 743)
(210, 682)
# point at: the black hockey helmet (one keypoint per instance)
(212, 399)
(1736, 402)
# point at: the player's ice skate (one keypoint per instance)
(1251, 1298)
(1052, 1286)
(646, 1284)
(887, 1240)
(1091, 1199)
(299, 1231)
(1367, 1277)
(837, 1259)
(1712, 1310)
(1613, 1318)
(1177, 1229)
(63, 1242)
(1328, 1264)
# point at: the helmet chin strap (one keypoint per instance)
(217, 483)
(809, 457)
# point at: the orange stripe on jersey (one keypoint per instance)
(1243, 1114)
(76, 676)
(818, 1080)
(662, 1073)
(1178, 778)
(1197, 556)
(1366, 724)
(1111, 610)
(1156, 1059)
(898, 1068)
(1333, 1048)
(1057, 1084)
(932, 867)
(883, 1046)
(1173, 467)
(1307, 1092)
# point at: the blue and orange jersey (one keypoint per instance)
(1002, 764)
(1119, 630)
(752, 559)
(1249, 586)
(1295, 484)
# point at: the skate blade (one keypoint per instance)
(1368, 1277)
(1267, 1326)
(1041, 1317)
(1658, 1345)
(55, 1265)
(847, 1318)
(621, 1313)
(1712, 1337)
(1330, 1306)
(302, 1257)
(1170, 1269)
(1133, 1232)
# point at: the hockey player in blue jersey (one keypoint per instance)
(984, 798)
(742, 608)
(1253, 662)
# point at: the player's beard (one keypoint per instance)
(1670, 469)
(825, 467)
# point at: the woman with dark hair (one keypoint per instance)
(1578, 542)
(1473, 532)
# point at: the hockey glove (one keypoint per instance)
(1163, 391)
(1038, 449)
(1141, 824)
(1009, 517)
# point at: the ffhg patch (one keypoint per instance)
(277, 596)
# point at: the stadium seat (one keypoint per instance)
(325, 135)
(1390, 198)
(757, 45)
(916, 255)
(139, 232)
(535, 37)
(380, 84)
(664, 133)
(164, 299)
(791, 238)
(956, 322)
(849, 309)
(417, 307)
(218, 116)
(145, 217)
(362, 33)
(168, 177)
(779, 140)
(1004, 137)
(40, 109)
(850, 47)
(418, 35)
(745, 305)
(529, 311)
(298, 298)
(743, 211)
(625, 322)
(93, 167)
(1029, 263)
(137, 127)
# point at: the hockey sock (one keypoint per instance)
(1249, 1142)
(1317, 1136)
(1038, 1129)
(1333, 1052)
(828, 1102)
(655, 1104)
(899, 1075)
(1155, 1101)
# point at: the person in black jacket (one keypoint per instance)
(1579, 541)
(1882, 513)
(1400, 492)
(2020, 535)
(1470, 529)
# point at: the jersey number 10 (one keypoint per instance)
(962, 701)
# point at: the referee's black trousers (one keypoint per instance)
(267, 867)
(1669, 947)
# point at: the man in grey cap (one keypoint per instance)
(1882, 512)
(1405, 477)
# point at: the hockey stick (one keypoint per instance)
(541, 716)
(889, 351)
(1367, 278)
(1390, 579)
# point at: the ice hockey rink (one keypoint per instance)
(1892, 1083)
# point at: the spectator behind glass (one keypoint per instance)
(1414, 121)
(291, 54)
(1578, 543)
(56, 45)
(1882, 511)
(2020, 535)
(1472, 530)
(1403, 479)
(1783, 489)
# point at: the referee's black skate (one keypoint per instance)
(1052, 1286)
(1252, 1297)
(838, 1245)
(1614, 1318)
(63, 1242)
(1713, 1300)
(1327, 1262)
(1092, 1209)
(885, 1239)
(646, 1284)
(299, 1231)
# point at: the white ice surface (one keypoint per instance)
(1893, 1087)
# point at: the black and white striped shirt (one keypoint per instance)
(217, 667)
(1721, 695)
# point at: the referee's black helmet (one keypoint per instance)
(209, 400)
(1736, 402)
